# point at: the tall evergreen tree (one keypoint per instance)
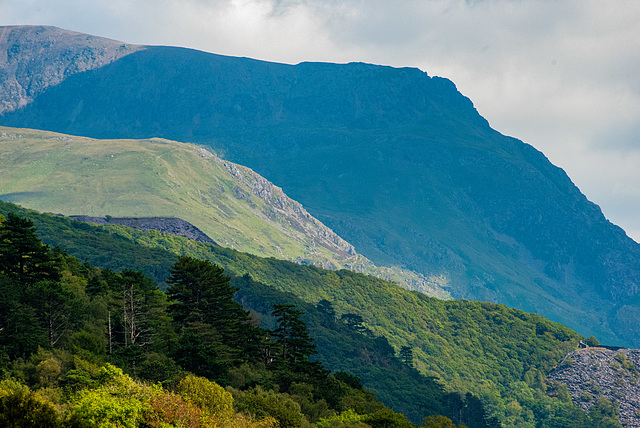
(325, 307)
(406, 356)
(202, 297)
(201, 292)
(292, 336)
(23, 333)
(22, 254)
(52, 302)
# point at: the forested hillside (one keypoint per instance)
(383, 334)
(87, 347)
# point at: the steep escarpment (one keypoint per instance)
(595, 374)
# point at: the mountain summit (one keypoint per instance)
(398, 163)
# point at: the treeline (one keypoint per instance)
(82, 346)
(497, 354)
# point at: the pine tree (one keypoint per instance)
(406, 356)
(202, 295)
(22, 254)
(201, 292)
(291, 334)
(52, 302)
(325, 307)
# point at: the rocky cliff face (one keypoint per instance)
(280, 206)
(33, 59)
(597, 372)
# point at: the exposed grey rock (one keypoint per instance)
(172, 226)
(598, 372)
(279, 205)
(33, 59)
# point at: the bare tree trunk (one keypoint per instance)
(110, 345)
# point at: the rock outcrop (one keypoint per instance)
(172, 226)
(592, 373)
(279, 205)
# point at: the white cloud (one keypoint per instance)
(561, 75)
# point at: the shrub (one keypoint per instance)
(209, 396)
(21, 407)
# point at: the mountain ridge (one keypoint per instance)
(398, 163)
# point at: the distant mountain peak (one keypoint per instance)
(23, 76)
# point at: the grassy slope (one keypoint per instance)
(73, 175)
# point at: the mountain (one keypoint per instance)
(35, 58)
(396, 162)
(229, 203)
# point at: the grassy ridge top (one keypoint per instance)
(73, 175)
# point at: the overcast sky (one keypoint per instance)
(562, 75)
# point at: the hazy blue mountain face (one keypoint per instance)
(33, 58)
(398, 163)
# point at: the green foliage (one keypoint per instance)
(345, 419)
(208, 396)
(387, 418)
(604, 414)
(118, 401)
(592, 341)
(276, 405)
(21, 407)
(296, 346)
(101, 408)
(200, 292)
(438, 421)
(22, 254)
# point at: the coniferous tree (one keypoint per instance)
(23, 333)
(291, 334)
(215, 331)
(406, 356)
(201, 292)
(52, 302)
(325, 307)
(22, 254)
(354, 322)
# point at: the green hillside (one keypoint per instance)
(497, 353)
(144, 178)
(72, 175)
(86, 347)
